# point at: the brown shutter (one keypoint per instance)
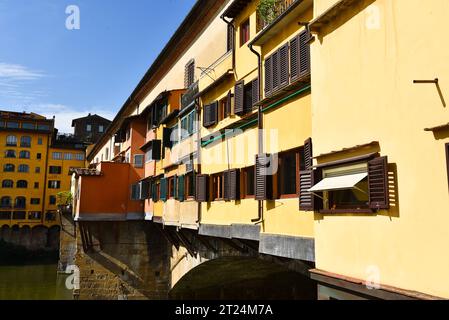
(239, 97)
(294, 58)
(263, 185)
(308, 153)
(229, 103)
(202, 188)
(283, 66)
(275, 71)
(304, 54)
(378, 183)
(268, 76)
(214, 113)
(206, 115)
(234, 184)
(230, 37)
(226, 185)
(255, 91)
(306, 181)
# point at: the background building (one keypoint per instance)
(90, 128)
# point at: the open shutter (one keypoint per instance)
(234, 184)
(202, 188)
(206, 115)
(214, 113)
(156, 149)
(306, 199)
(166, 133)
(308, 154)
(226, 185)
(263, 181)
(145, 190)
(255, 91)
(294, 58)
(229, 103)
(239, 97)
(153, 191)
(283, 66)
(304, 54)
(181, 189)
(163, 189)
(275, 71)
(378, 183)
(268, 76)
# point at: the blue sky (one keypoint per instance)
(48, 69)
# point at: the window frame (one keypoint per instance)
(279, 178)
(244, 182)
(11, 141)
(244, 32)
(189, 184)
(217, 186)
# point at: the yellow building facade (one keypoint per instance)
(35, 167)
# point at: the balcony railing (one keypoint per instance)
(189, 96)
(272, 13)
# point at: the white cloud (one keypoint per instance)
(65, 114)
(14, 72)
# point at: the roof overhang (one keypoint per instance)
(235, 8)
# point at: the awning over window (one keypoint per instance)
(339, 183)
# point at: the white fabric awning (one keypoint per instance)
(339, 182)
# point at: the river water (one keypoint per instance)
(33, 282)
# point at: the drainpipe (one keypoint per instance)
(198, 148)
(230, 24)
(259, 125)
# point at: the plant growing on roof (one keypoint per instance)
(268, 9)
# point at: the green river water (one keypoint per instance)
(32, 282)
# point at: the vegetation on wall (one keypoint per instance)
(64, 198)
(268, 10)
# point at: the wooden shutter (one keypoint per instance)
(144, 190)
(166, 133)
(378, 183)
(255, 91)
(153, 191)
(234, 184)
(294, 58)
(230, 37)
(206, 115)
(175, 187)
(239, 97)
(263, 182)
(163, 191)
(229, 103)
(308, 154)
(268, 76)
(306, 199)
(283, 66)
(304, 54)
(156, 149)
(214, 113)
(202, 188)
(226, 185)
(275, 71)
(181, 188)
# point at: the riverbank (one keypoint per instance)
(11, 254)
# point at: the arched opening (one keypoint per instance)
(243, 278)
(7, 184)
(8, 167)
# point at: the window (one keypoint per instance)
(190, 185)
(22, 184)
(244, 32)
(188, 125)
(138, 160)
(36, 185)
(37, 170)
(56, 155)
(55, 170)
(174, 135)
(5, 202)
(7, 184)
(210, 114)
(12, 125)
(54, 184)
(189, 73)
(39, 140)
(24, 168)
(25, 142)
(68, 156)
(9, 167)
(89, 128)
(20, 203)
(29, 126)
(11, 141)
(34, 215)
(43, 127)
(79, 156)
(248, 182)
(245, 96)
(288, 173)
(248, 97)
(217, 186)
(38, 156)
(35, 201)
(24, 154)
(128, 134)
(10, 154)
(52, 200)
(135, 191)
(171, 187)
(100, 128)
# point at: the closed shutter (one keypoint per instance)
(255, 91)
(283, 66)
(156, 149)
(206, 115)
(214, 113)
(378, 183)
(175, 187)
(153, 191)
(234, 184)
(263, 181)
(163, 191)
(239, 97)
(145, 190)
(294, 58)
(275, 71)
(226, 185)
(304, 54)
(229, 103)
(202, 188)
(181, 188)
(166, 133)
(268, 76)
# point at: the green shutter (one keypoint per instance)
(164, 189)
(181, 192)
(153, 191)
